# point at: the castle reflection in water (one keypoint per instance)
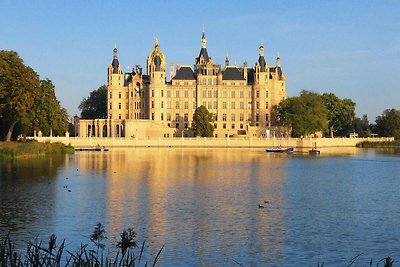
(199, 200)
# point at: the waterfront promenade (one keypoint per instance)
(235, 142)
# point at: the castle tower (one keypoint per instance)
(156, 70)
(226, 60)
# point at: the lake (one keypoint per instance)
(202, 204)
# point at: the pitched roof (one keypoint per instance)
(232, 73)
(184, 73)
(204, 53)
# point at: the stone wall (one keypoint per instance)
(79, 142)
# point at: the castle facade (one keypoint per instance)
(151, 105)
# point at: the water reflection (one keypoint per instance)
(198, 202)
(27, 193)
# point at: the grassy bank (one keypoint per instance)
(13, 150)
(387, 144)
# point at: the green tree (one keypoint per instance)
(340, 114)
(305, 114)
(388, 124)
(95, 106)
(202, 122)
(361, 126)
(18, 92)
(48, 115)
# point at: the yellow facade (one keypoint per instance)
(240, 98)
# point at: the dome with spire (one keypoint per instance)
(115, 62)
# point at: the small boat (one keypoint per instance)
(314, 152)
(97, 148)
(280, 149)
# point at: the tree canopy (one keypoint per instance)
(305, 114)
(202, 122)
(26, 103)
(95, 106)
(361, 126)
(388, 124)
(341, 113)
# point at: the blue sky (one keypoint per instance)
(350, 48)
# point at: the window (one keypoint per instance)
(241, 117)
(119, 95)
(168, 104)
(152, 104)
(209, 105)
(266, 94)
(186, 105)
(232, 117)
(162, 104)
(204, 94)
(177, 93)
(257, 93)
(233, 105)
(186, 93)
(168, 93)
(209, 81)
(249, 105)
(241, 94)
(110, 94)
(233, 126)
(152, 116)
(110, 116)
(177, 104)
(223, 94)
(209, 94)
(241, 105)
(224, 117)
(194, 94)
(203, 81)
(127, 106)
(224, 105)
(162, 93)
(215, 104)
(215, 117)
(119, 116)
(152, 93)
(249, 117)
(257, 117)
(127, 94)
(224, 125)
(119, 105)
(215, 93)
(257, 104)
(110, 105)
(168, 116)
(241, 126)
(177, 125)
(194, 104)
(266, 117)
(249, 94)
(177, 117)
(203, 104)
(186, 117)
(162, 116)
(233, 94)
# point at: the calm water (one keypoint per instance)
(202, 204)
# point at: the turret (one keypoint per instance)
(261, 59)
(278, 61)
(226, 60)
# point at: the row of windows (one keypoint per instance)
(209, 94)
(138, 105)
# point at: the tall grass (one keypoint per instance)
(12, 150)
(55, 254)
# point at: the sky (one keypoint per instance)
(349, 48)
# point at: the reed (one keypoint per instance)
(55, 254)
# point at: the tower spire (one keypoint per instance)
(203, 40)
(278, 60)
(226, 60)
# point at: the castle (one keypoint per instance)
(149, 105)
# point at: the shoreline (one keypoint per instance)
(115, 142)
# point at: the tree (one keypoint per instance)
(48, 115)
(18, 91)
(95, 106)
(362, 126)
(388, 124)
(340, 114)
(305, 114)
(201, 124)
